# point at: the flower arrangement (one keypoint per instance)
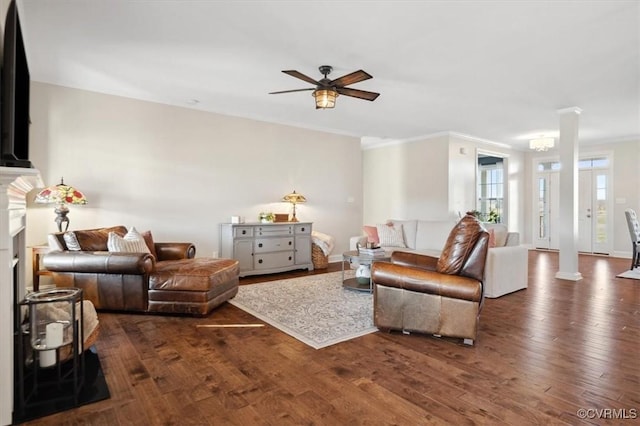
(266, 217)
(492, 217)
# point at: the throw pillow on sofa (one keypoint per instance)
(148, 239)
(71, 241)
(132, 242)
(391, 235)
(492, 238)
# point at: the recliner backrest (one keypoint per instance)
(465, 250)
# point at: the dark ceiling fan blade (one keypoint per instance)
(355, 93)
(290, 91)
(352, 78)
(296, 74)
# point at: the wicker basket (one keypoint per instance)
(320, 261)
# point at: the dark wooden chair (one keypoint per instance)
(634, 233)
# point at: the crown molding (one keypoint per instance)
(370, 143)
(569, 110)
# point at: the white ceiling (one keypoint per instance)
(496, 70)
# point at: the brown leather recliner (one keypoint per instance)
(441, 296)
(169, 280)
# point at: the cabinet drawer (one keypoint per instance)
(273, 260)
(263, 245)
(302, 229)
(242, 231)
(274, 230)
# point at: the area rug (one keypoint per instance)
(633, 274)
(315, 309)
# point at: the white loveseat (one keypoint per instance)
(506, 269)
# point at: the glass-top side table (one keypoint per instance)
(364, 282)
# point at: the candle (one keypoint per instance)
(53, 339)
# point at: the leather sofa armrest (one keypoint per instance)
(417, 260)
(425, 281)
(100, 262)
(175, 251)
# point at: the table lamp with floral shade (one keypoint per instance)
(294, 198)
(61, 195)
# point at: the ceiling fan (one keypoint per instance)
(326, 91)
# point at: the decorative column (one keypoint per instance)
(568, 206)
(15, 183)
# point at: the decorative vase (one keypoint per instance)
(363, 274)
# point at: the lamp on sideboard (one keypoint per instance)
(294, 198)
(61, 195)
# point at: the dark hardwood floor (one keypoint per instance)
(542, 355)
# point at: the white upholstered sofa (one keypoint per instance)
(506, 269)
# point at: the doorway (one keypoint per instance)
(594, 205)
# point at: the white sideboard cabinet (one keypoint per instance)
(264, 248)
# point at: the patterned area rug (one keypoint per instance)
(315, 310)
(633, 274)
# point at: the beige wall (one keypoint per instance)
(128, 154)
(433, 178)
(406, 180)
(180, 172)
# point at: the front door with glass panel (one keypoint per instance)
(594, 205)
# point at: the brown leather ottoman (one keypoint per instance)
(192, 286)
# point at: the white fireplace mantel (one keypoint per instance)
(15, 183)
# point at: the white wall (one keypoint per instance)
(406, 180)
(433, 178)
(180, 172)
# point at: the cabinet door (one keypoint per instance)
(243, 253)
(303, 249)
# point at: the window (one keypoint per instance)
(542, 208)
(549, 166)
(490, 189)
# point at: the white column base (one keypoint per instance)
(571, 276)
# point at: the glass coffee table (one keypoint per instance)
(360, 283)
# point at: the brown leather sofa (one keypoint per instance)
(440, 296)
(167, 280)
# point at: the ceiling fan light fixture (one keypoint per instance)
(541, 144)
(325, 98)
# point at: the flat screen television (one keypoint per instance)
(14, 106)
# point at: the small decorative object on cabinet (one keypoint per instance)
(281, 217)
(266, 217)
(264, 248)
